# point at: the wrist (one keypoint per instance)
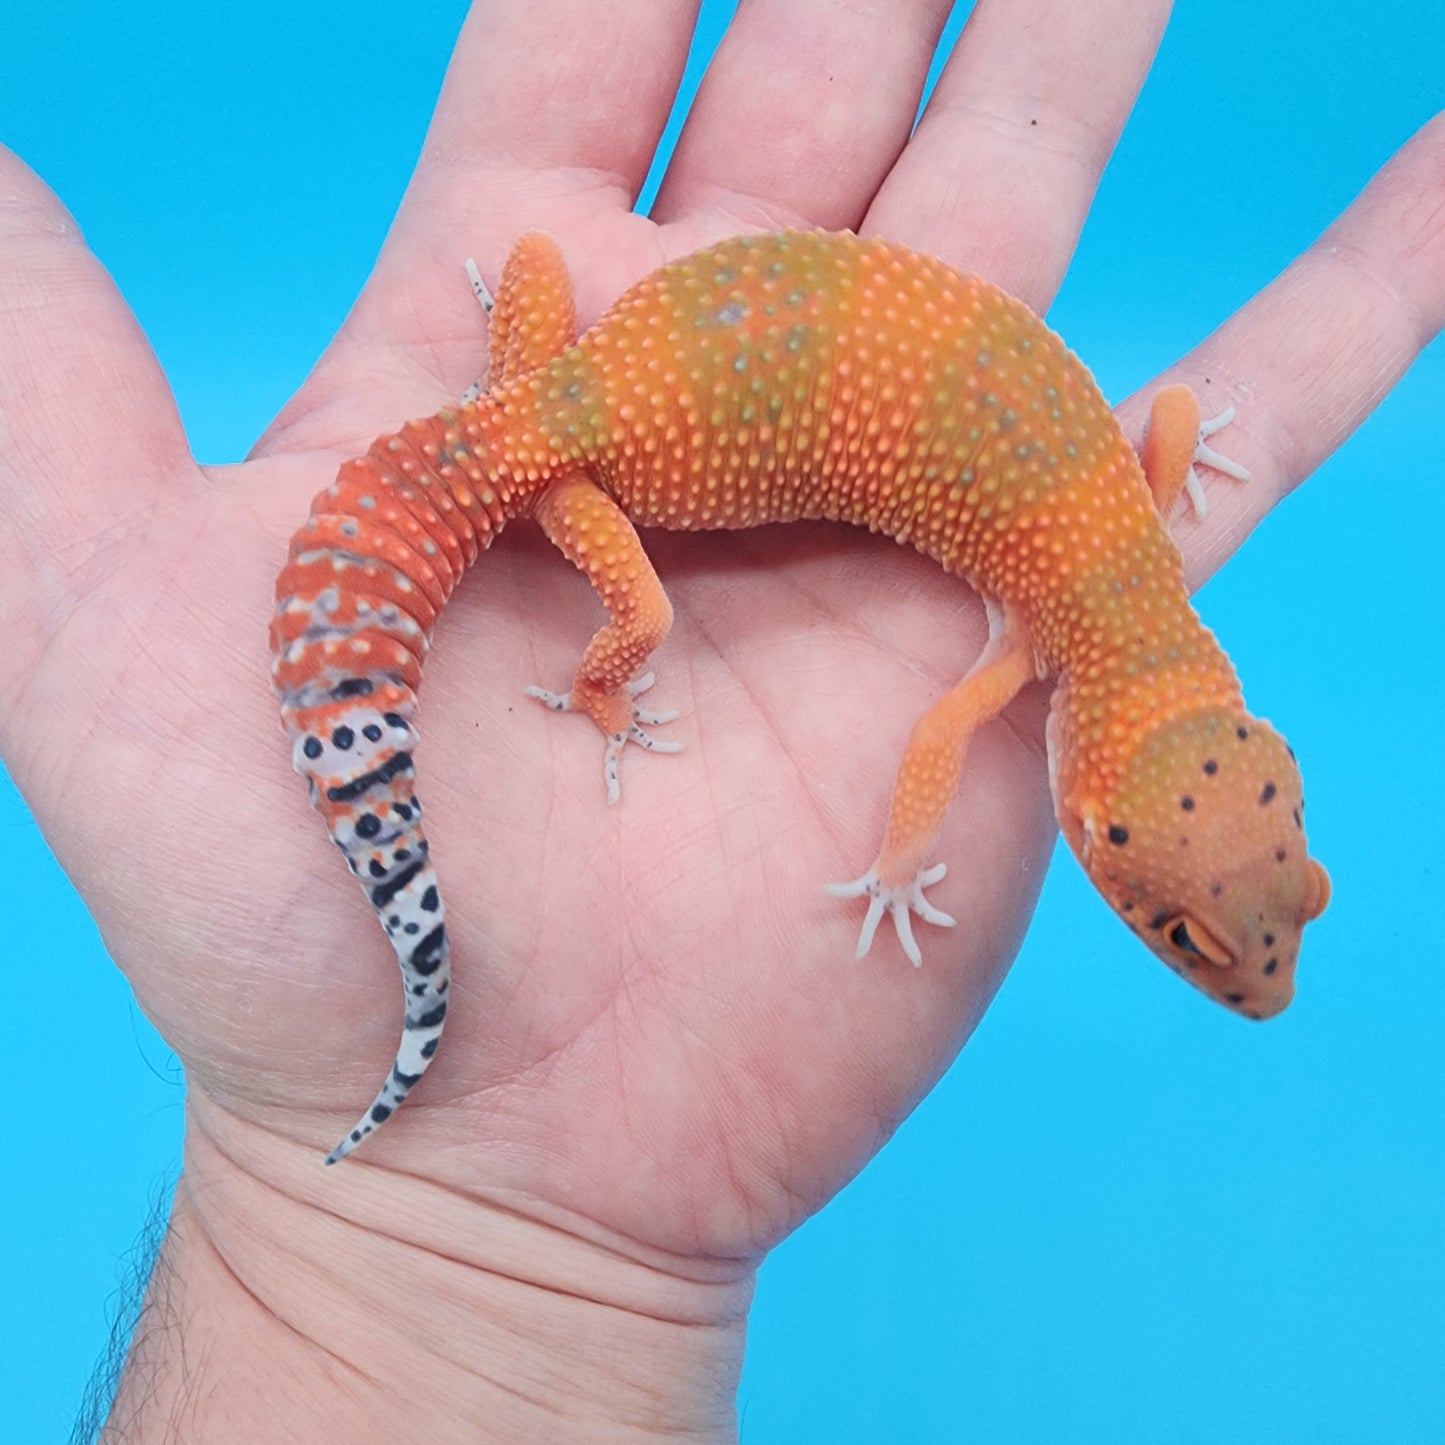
(291, 1302)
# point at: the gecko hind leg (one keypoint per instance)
(927, 780)
(593, 532)
(1175, 442)
(531, 319)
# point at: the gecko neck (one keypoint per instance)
(1125, 673)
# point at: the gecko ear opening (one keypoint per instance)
(1190, 937)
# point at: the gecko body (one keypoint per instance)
(807, 375)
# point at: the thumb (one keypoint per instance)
(90, 440)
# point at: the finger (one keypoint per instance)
(89, 435)
(801, 113)
(548, 119)
(1309, 358)
(1002, 169)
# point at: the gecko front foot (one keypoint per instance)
(621, 721)
(901, 902)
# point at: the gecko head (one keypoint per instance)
(1203, 854)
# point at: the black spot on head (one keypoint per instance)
(395, 720)
(402, 854)
(312, 747)
(1235, 997)
(1241, 733)
(1299, 821)
(1187, 803)
(371, 733)
(1117, 835)
(376, 868)
(352, 687)
(1129, 906)
(1215, 889)
(343, 738)
(412, 928)
(1211, 767)
(1279, 855)
(380, 1113)
(402, 811)
(1159, 920)
(1269, 940)
(368, 825)
(1266, 793)
(1271, 965)
(430, 900)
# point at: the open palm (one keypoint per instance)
(656, 1022)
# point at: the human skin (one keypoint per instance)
(645, 1084)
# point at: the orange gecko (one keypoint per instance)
(807, 375)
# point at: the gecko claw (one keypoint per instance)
(901, 903)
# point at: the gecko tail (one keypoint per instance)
(357, 758)
(426, 1012)
(385, 847)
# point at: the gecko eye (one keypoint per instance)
(1190, 936)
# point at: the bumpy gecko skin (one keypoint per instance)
(806, 375)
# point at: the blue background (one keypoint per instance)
(1123, 1216)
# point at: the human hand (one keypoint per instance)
(655, 1031)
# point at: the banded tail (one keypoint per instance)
(366, 577)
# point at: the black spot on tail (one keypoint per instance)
(430, 1019)
(352, 687)
(344, 793)
(383, 893)
(426, 957)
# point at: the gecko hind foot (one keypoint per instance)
(902, 903)
(1207, 456)
(621, 721)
